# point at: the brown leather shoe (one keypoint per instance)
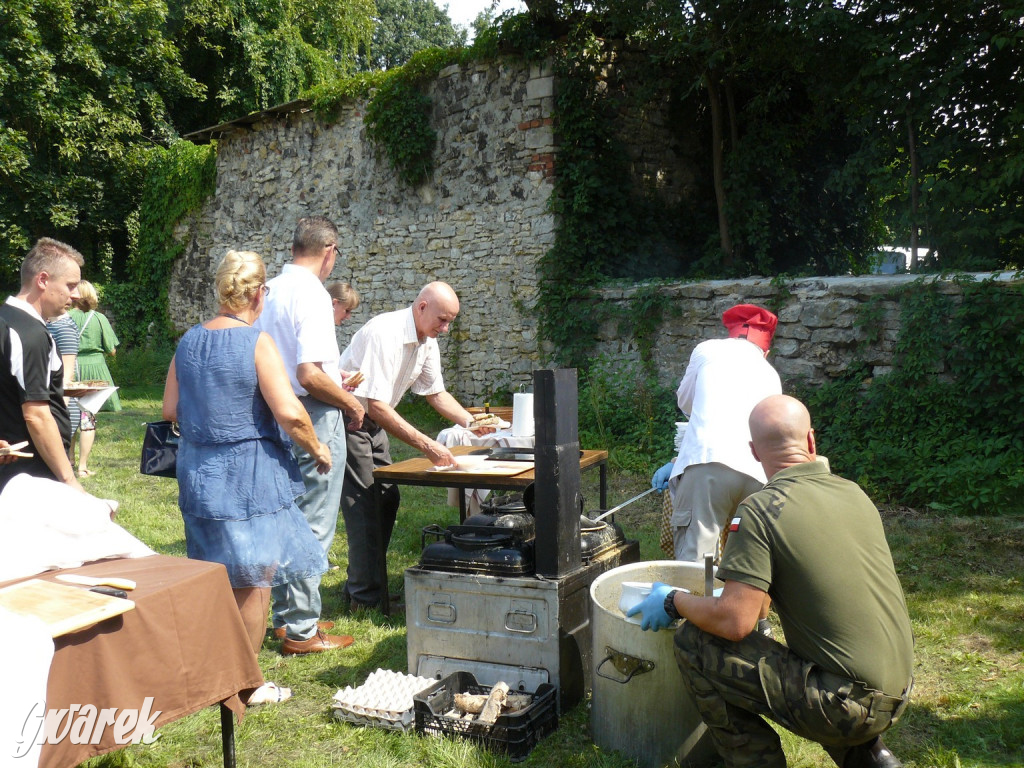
(318, 643)
(279, 633)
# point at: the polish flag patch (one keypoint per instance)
(734, 525)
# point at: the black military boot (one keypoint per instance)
(874, 754)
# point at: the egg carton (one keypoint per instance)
(385, 700)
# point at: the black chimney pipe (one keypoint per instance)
(557, 500)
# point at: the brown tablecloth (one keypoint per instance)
(184, 644)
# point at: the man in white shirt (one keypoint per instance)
(299, 316)
(715, 470)
(395, 351)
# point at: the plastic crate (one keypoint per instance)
(514, 734)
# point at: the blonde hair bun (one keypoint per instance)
(239, 275)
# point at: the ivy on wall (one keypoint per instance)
(944, 428)
(398, 113)
(178, 180)
(586, 199)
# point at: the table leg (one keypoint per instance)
(378, 496)
(227, 736)
(603, 482)
(462, 505)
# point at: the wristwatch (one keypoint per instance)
(670, 606)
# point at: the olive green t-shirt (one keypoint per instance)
(815, 543)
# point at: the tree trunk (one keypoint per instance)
(914, 171)
(717, 160)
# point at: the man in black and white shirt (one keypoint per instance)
(32, 404)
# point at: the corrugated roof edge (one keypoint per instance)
(206, 135)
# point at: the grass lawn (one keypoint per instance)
(962, 578)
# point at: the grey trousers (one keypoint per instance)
(737, 685)
(707, 497)
(369, 533)
(297, 604)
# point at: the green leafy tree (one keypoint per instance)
(403, 27)
(254, 54)
(83, 84)
(942, 91)
(483, 21)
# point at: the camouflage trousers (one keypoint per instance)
(737, 685)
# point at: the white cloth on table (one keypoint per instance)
(45, 524)
(28, 647)
(503, 438)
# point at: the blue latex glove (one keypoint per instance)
(660, 479)
(653, 608)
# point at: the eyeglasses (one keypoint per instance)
(266, 289)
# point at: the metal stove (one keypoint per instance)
(525, 628)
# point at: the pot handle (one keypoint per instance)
(434, 530)
(624, 664)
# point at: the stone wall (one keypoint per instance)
(818, 333)
(481, 222)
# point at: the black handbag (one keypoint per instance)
(160, 449)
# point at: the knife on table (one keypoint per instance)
(97, 581)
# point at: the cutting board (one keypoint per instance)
(487, 468)
(62, 608)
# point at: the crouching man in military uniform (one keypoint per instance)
(814, 543)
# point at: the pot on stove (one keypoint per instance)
(478, 549)
(597, 536)
(507, 504)
(520, 522)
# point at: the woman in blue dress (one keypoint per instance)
(237, 480)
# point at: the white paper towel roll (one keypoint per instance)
(522, 414)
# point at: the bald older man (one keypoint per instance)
(813, 542)
(396, 352)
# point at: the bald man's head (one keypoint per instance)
(781, 433)
(435, 308)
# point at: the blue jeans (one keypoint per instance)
(297, 604)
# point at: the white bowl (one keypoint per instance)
(633, 593)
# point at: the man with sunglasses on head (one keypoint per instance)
(299, 316)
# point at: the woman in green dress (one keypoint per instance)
(96, 338)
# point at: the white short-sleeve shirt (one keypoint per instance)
(392, 359)
(299, 317)
(724, 380)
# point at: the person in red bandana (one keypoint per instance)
(714, 471)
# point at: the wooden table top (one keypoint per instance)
(417, 471)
